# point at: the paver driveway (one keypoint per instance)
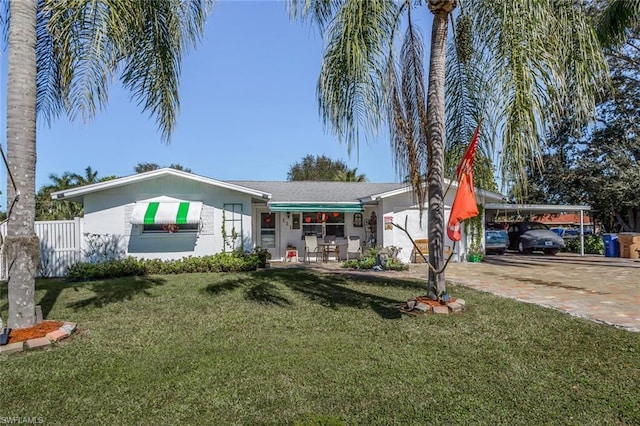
(595, 287)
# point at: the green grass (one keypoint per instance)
(285, 346)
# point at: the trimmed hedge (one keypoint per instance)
(131, 266)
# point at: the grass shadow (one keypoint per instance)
(117, 290)
(266, 293)
(327, 289)
(222, 287)
(332, 291)
(257, 289)
(53, 289)
(386, 311)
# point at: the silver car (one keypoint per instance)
(529, 236)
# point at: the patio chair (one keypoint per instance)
(354, 247)
(311, 248)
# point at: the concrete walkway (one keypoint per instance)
(598, 288)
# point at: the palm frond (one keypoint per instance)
(349, 88)
(145, 40)
(407, 110)
(616, 20)
(49, 104)
(320, 11)
(541, 59)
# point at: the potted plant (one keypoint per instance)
(263, 255)
(475, 252)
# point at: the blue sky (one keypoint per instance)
(248, 110)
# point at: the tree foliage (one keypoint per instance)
(350, 175)
(49, 209)
(601, 165)
(319, 167)
(147, 167)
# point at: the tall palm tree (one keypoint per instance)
(21, 246)
(79, 46)
(531, 57)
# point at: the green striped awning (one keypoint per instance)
(166, 212)
(316, 207)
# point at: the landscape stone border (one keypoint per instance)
(66, 330)
(415, 307)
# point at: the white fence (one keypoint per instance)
(60, 246)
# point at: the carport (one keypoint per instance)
(492, 210)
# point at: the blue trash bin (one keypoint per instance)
(611, 245)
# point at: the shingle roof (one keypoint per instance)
(319, 191)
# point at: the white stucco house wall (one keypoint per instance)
(170, 214)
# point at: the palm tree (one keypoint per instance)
(21, 246)
(90, 176)
(350, 175)
(530, 57)
(79, 47)
(48, 209)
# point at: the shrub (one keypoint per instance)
(387, 258)
(592, 245)
(130, 266)
(263, 254)
(110, 269)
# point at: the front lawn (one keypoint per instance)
(289, 346)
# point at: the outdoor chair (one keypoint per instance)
(311, 248)
(354, 247)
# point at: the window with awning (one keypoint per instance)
(166, 213)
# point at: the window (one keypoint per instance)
(268, 230)
(167, 217)
(232, 226)
(323, 224)
(172, 229)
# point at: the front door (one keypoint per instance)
(268, 233)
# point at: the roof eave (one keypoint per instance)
(77, 194)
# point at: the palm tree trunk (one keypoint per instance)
(22, 250)
(436, 143)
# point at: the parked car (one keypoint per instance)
(496, 239)
(529, 236)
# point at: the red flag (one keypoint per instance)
(466, 163)
(464, 206)
(464, 203)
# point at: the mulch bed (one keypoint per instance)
(427, 301)
(38, 330)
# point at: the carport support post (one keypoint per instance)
(582, 232)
